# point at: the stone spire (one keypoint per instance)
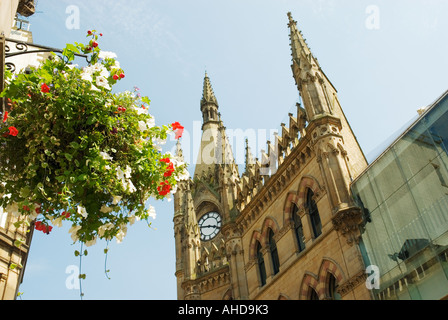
(209, 103)
(250, 162)
(317, 92)
(179, 152)
(215, 148)
(299, 47)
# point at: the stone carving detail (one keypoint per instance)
(347, 221)
(352, 283)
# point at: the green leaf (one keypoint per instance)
(25, 192)
(18, 243)
(91, 120)
(77, 253)
(17, 224)
(68, 156)
(72, 48)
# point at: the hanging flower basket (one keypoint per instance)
(73, 150)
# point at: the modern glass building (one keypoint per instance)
(404, 194)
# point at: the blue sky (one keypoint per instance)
(383, 71)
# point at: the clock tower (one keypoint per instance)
(207, 251)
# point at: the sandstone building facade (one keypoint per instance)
(14, 242)
(287, 227)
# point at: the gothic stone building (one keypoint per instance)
(292, 234)
(12, 258)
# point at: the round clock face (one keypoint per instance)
(209, 224)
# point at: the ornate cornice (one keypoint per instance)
(352, 283)
(208, 282)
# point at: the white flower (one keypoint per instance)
(121, 233)
(183, 176)
(124, 184)
(91, 242)
(88, 70)
(106, 209)
(132, 219)
(120, 173)
(102, 229)
(128, 172)
(116, 199)
(107, 55)
(105, 156)
(86, 76)
(74, 230)
(13, 209)
(151, 122)
(82, 211)
(139, 110)
(152, 212)
(130, 187)
(116, 65)
(158, 143)
(104, 73)
(57, 222)
(93, 88)
(142, 126)
(97, 67)
(102, 82)
(72, 66)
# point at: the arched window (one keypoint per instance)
(313, 294)
(314, 214)
(274, 253)
(261, 266)
(298, 228)
(332, 286)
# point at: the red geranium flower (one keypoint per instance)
(178, 129)
(44, 88)
(5, 117)
(166, 160)
(164, 188)
(40, 226)
(176, 125)
(13, 131)
(116, 77)
(169, 170)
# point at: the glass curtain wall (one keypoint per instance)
(404, 195)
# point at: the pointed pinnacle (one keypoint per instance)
(207, 93)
